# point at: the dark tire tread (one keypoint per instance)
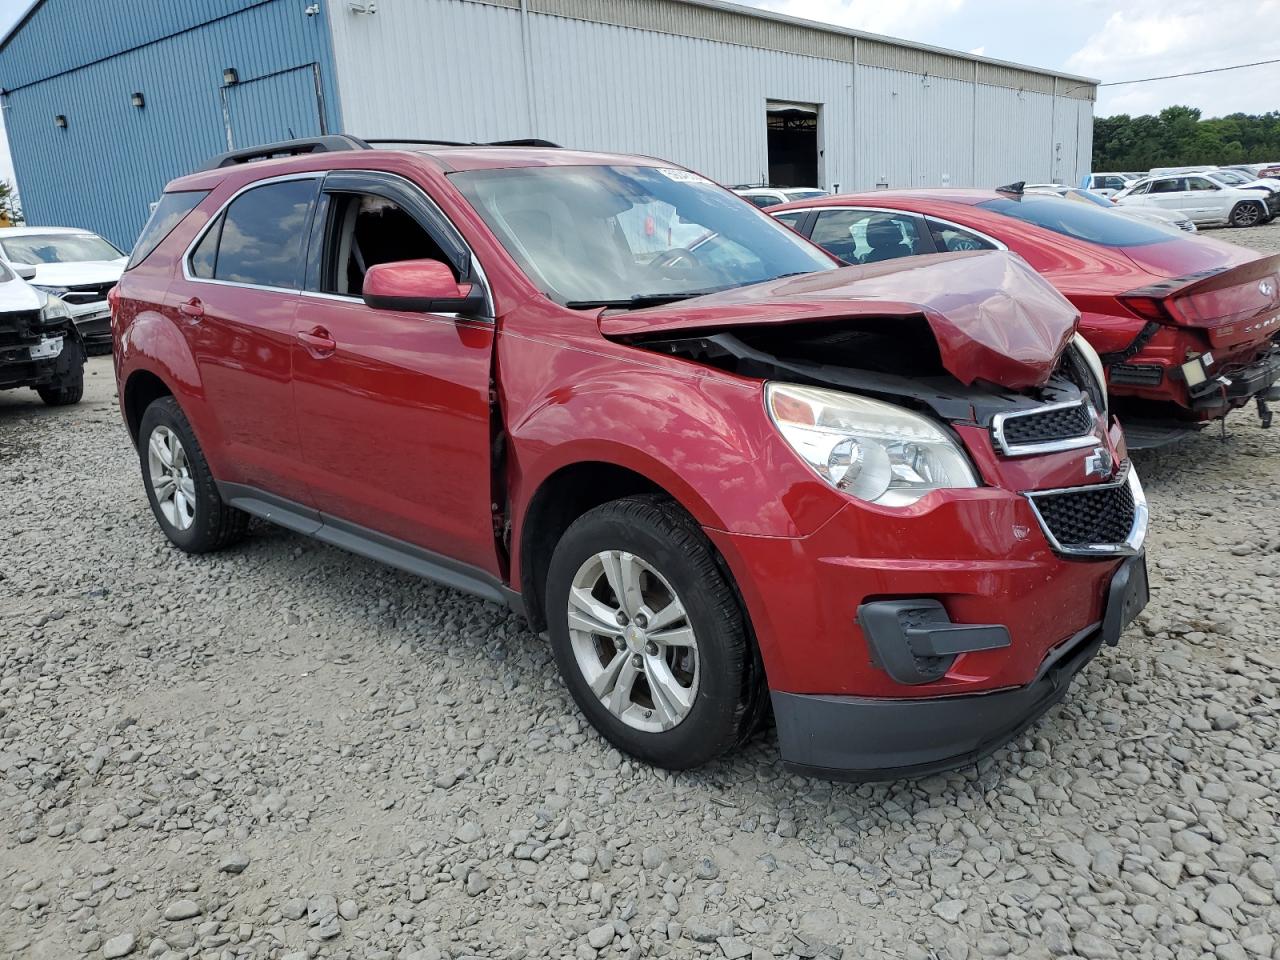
(740, 719)
(217, 525)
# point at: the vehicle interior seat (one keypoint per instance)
(884, 237)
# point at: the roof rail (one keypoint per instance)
(287, 148)
(529, 142)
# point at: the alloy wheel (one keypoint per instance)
(633, 641)
(171, 479)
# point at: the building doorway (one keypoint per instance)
(793, 138)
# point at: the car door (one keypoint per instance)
(1208, 199)
(1171, 193)
(393, 406)
(857, 235)
(237, 298)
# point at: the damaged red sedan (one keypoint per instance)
(721, 472)
(1188, 328)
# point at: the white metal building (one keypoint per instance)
(695, 81)
(99, 117)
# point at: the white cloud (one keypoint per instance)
(1148, 38)
(902, 18)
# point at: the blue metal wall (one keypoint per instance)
(84, 59)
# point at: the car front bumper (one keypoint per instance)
(866, 738)
(93, 320)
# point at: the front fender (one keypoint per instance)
(702, 436)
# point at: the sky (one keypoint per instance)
(1109, 40)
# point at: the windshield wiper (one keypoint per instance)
(640, 300)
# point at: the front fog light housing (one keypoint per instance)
(874, 451)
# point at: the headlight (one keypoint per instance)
(54, 310)
(870, 450)
(52, 291)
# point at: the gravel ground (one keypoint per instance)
(284, 751)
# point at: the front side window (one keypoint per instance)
(168, 213)
(1080, 221)
(1200, 183)
(365, 230)
(598, 235)
(867, 236)
(261, 235)
(34, 249)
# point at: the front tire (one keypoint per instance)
(68, 387)
(1247, 213)
(180, 487)
(649, 634)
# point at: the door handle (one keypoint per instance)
(318, 342)
(192, 308)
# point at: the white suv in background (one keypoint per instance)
(76, 265)
(1204, 201)
(772, 196)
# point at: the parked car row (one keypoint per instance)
(1239, 196)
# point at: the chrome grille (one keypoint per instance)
(1058, 426)
(1106, 518)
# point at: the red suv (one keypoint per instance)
(721, 472)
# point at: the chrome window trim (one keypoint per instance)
(1046, 446)
(481, 276)
(911, 213)
(1137, 531)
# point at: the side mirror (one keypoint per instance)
(420, 286)
(25, 270)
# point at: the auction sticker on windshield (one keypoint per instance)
(681, 176)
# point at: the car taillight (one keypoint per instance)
(1148, 308)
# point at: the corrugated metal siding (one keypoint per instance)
(916, 131)
(1013, 137)
(895, 57)
(63, 34)
(471, 87)
(708, 23)
(699, 103)
(113, 159)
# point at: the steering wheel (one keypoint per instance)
(963, 243)
(681, 257)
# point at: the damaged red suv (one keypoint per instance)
(721, 472)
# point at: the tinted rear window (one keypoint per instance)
(262, 234)
(167, 215)
(1081, 221)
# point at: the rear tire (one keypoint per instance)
(672, 689)
(1247, 213)
(180, 487)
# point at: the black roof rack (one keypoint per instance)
(344, 141)
(287, 148)
(527, 142)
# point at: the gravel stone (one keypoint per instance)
(120, 945)
(182, 910)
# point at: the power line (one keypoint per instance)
(1189, 73)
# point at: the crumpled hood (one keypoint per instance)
(994, 318)
(78, 272)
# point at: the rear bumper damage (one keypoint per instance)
(866, 738)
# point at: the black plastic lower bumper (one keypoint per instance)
(863, 738)
(1245, 384)
(95, 331)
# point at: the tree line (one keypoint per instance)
(1179, 136)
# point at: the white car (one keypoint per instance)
(1234, 178)
(1203, 200)
(1107, 184)
(772, 196)
(40, 347)
(1163, 218)
(76, 265)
